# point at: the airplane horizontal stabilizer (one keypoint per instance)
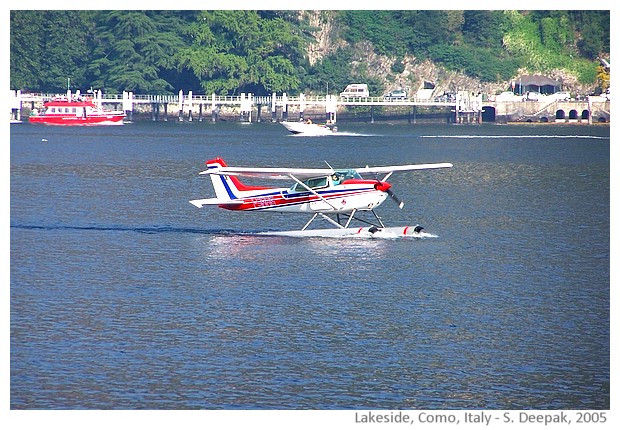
(215, 201)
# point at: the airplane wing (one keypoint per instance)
(405, 167)
(269, 172)
(303, 174)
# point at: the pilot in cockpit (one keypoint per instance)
(337, 178)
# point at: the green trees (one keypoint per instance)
(108, 50)
(544, 40)
(26, 50)
(242, 51)
(233, 51)
(333, 72)
(133, 48)
(594, 28)
(48, 48)
(484, 28)
(396, 33)
(480, 53)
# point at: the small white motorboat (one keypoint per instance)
(309, 128)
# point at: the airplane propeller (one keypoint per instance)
(387, 188)
(394, 197)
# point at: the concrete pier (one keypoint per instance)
(467, 108)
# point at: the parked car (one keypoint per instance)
(561, 96)
(396, 95)
(355, 90)
(507, 96)
(532, 96)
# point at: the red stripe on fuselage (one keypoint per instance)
(275, 201)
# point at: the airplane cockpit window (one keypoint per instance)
(312, 184)
(343, 175)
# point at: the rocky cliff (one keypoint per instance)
(416, 72)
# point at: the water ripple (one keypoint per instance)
(123, 295)
(146, 230)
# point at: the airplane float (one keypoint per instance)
(338, 196)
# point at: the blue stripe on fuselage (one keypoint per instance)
(231, 195)
(325, 193)
(328, 193)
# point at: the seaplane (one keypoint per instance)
(341, 197)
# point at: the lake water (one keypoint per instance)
(125, 296)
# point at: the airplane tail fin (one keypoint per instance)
(227, 187)
(224, 186)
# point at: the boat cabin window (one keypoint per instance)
(312, 184)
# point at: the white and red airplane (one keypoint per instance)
(321, 192)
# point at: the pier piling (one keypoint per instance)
(180, 105)
(189, 106)
(466, 108)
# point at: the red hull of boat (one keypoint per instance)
(76, 112)
(68, 120)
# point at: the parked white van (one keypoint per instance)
(507, 96)
(561, 96)
(355, 90)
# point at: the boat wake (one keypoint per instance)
(143, 230)
(356, 233)
(350, 133)
(339, 133)
(541, 136)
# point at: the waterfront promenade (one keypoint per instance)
(465, 107)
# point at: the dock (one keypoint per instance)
(465, 108)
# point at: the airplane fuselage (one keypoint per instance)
(343, 198)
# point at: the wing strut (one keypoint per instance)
(311, 190)
(310, 222)
(326, 218)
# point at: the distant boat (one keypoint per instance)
(79, 111)
(309, 128)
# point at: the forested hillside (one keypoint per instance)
(228, 52)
